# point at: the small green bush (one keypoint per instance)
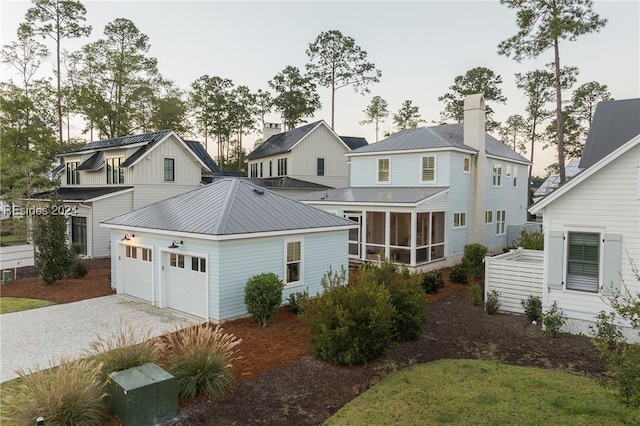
(126, 348)
(531, 240)
(553, 320)
(350, 323)
(70, 394)
(263, 297)
(200, 359)
(493, 303)
(78, 270)
(475, 294)
(297, 301)
(532, 308)
(458, 275)
(473, 259)
(432, 282)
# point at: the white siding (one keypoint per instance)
(150, 169)
(102, 210)
(406, 169)
(458, 201)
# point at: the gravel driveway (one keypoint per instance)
(39, 337)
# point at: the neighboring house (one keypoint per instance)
(592, 223)
(109, 177)
(311, 153)
(196, 251)
(422, 194)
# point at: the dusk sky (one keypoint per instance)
(420, 47)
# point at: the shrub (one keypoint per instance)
(553, 320)
(200, 359)
(297, 301)
(473, 259)
(458, 274)
(532, 308)
(475, 294)
(263, 297)
(432, 282)
(493, 303)
(70, 394)
(78, 270)
(126, 348)
(531, 240)
(52, 256)
(350, 324)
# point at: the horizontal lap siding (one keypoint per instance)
(102, 210)
(515, 276)
(458, 202)
(506, 197)
(322, 251)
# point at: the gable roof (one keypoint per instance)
(438, 137)
(67, 193)
(395, 195)
(123, 141)
(229, 206)
(197, 148)
(282, 142)
(614, 124)
(93, 163)
(354, 142)
(586, 174)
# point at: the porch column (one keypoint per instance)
(414, 232)
(387, 234)
(363, 235)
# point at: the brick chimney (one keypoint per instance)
(474, 137)
(271, 129)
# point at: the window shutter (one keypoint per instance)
(611, 260)
(555, 260)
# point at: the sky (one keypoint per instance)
(419, 46)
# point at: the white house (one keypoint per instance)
(109, 177)
(194, 252)
(422, 194)
(592, 223)
(309, 157)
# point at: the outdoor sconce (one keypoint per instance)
(175, 245)
(126, 237)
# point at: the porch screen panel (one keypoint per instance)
(376, 225)
(437, 235)
(401, 237)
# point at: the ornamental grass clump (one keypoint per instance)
(70, 394)
(126, 348)
(200, 359)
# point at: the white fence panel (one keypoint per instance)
(16, 256)
(515, 275)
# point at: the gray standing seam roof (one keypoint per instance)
(197, 148)
(394, 195)
(229, 206)
(282, 142)
(287, 182)
(66, 193)
(614, 124)
(93, 163)
(354, 142)
(124, 141)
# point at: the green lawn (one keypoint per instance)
(469, 392)
(16, 304)
(6, 239)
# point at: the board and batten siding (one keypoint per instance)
(515, 275)
(102, 210)
(320, 143)
(150, 168)
(607, 202)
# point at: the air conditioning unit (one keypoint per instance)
(7, 275)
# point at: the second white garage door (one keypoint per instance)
(185, 283)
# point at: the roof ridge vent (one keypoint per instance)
(258, 191)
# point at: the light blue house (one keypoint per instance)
(194, 252)
(422, 194)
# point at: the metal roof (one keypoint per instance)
(354, 142)
(438, 137)
(287, 182)
(124, 141)
(282, 142)
(614, 124)
(552, 182)
(93, 163)
(66, 193)
(197, 148)
(228, 206)
(392, 195)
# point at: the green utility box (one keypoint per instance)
(143, 396)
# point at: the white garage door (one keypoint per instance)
(137, 272)
(185, 283)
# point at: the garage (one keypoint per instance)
(184, 283)
(137, 271)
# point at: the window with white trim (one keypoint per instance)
(198, 264)
(428, 169)
(497, 174)
(282, 166)
(320, 166)
(293, 263)
(169, 169)
(466, 164)
(384, 169)
(460, 220)
(488, 216)
(501, 218)
(515, 176)
(73, 175)
(583, 261)
(177, 260)
(508, 167)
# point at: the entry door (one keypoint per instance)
(79, 232)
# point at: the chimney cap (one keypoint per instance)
(475, 101)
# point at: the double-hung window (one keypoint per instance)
(293, 264)
(501, 218)
(497, 174)
(515, 176)
(488, 216)
(384, 170)
(169, 169)
(428, 169)
(583, 261)
(282, 167)
(466, 164)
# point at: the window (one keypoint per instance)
(294, 262)
(282, 167)
(177, 260)
(261, 169)
(488, 216)
(115, 174)
(428, 169)
(583, 261)
(254, 170)
(146, 254)
(466, 164)
(270, 168)
(198, 264)
(501, 216)
(169, 170)
(73, 175)
(132, 252)
(320, 167)
(497, 174)
(79, 232)
(459, 220)
(383, 170)
(515, 176)
(508, 170)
